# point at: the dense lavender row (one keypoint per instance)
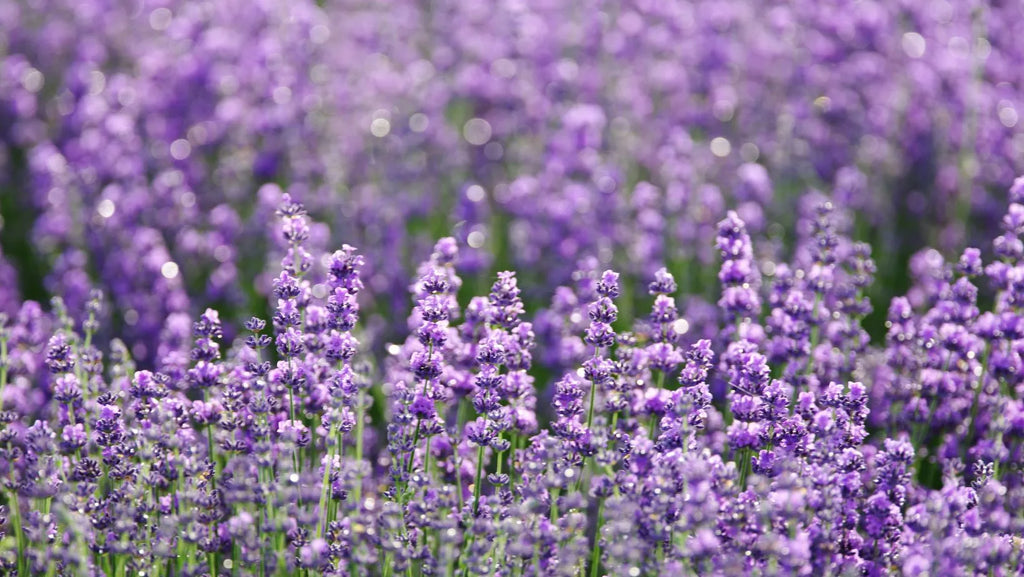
(784, 445)
(653, 339)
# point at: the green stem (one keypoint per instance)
(499, 457)
(554, 505)
(593, 395)
(360, 418)
(88, 333)
(296, 462)
(479, 475)
(426, 459)
(19, 535)
(595, 552)
(461, 416)
(460, 420)
(321, 511)
(744, 466)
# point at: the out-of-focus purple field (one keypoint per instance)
(511, 288)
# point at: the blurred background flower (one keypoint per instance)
(138, 137)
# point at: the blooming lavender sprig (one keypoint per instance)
(691, 402)
(419, 398)
(739, 275)
(661, 355)
(346, 412)
(506, 401)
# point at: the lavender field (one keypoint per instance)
(509, 288)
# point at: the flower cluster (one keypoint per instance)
(786, 445)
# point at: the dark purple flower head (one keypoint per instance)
(505, 290)
(425, 367)
(600, 335)
(747, 369)
(435, 283)
(490, 352)
(255, 324)
(208, 325)
(446, 251)
(663, 284)
(59, 356)
(286, 286)
(663, 312)
(434, 308)
(970, 262)
(67, 389)
(422, 407)
(340, 346)
(739, 275)
(344, 268)
(603, 311)
(480, 432)
(505, 305)
(608, 284)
